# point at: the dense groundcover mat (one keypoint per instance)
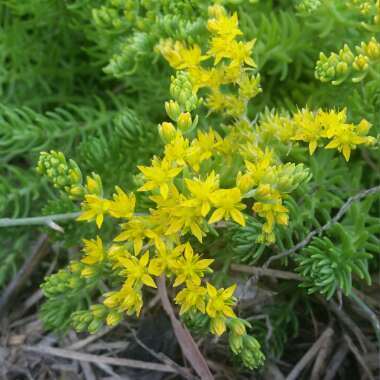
(190, 189)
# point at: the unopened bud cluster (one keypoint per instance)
(67, 176)
(336, 68)
(64, 175)
(245, 346)
(179, 108)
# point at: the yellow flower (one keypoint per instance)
(176, 150)
(193, 296)
(127, 298)
(259, 170)
(94, 208)
(159, 176)
(219, 49)
(136, 270)
(190, 267)
(202, 148)
(219, 307)
(136, 229)
(225, 26)
(94, 252)
(269, 206)
(123, 205)
(249, 86)
(347, 139)
(200, 77)
(132, 301)
(184, 217)
(202, 190)
(165, 258)
(308, 129)
(116, 251)
(345, 136)
(227, 204)
(216, 101)
(241, 53)
(88, 272)
(178, 55)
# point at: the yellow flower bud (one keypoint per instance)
(113, 318)
(172, 109)
(364, 126)
(167, 132)
(76, 192)
(112, 300)
(216, 11)
(94, 184)
(360, 63)
(75, 282)
(98, 311)
(88, 272)
(372, 49)
(238, 327)
(184, 121)
(218, 326)
(94, 326)
(235, 343)
(244, 182)
(75, 266)
(341, 68)
(282, 219)
(346, 54)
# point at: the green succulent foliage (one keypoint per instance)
(129, 30)
(14, 244)
(280, 324)
(332, 263)
(328, 268)
(243, 241)
(56, 311)
(128, 141)
(66, 292)
(25, 132)
(38, 44)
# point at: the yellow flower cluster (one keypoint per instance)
(204, 180)
(317, 127)
(197, 183)
(229, 57)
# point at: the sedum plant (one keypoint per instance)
(214, 174)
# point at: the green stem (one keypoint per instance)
(38, 220)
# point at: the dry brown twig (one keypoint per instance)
(313, 350)
(80, 356)
(91, 338)
(336, 361)
(265, 272)
(184, 372)
(358, 356)
(39, 250)
(320, 361)
(343, 317)
(185, 340)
